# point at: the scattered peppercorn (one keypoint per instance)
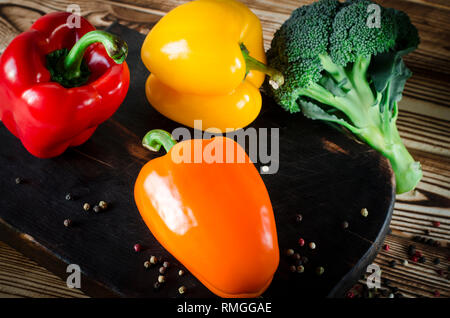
(96, 209)
(427, 232)
(156, 285)
(180, 272)
(422, 259)
(182, 289)
(344, 225)
(289, 252)
(19, 180)
(146, 264)
(436, 261)
(436, 224)
(293, 268)
(418, 254)
(162, 269)
(364, 212)
(386, 247)
(300, 269)
(440, 272)
(86, 206)
(414, 258)
(166, 264)
(301, 242)
(312, 245)
(416, 238)
(161, 279)
(305, 260)
(394, 289)
(429, 241)
(350, 294)
(296, 256)
(298, 262)
(103, 205)
(391, 295)
(299, 218)
(437, 293)
(69, 196)
(320, 270)
(153, 259)
(392, 263)
(411, 250)
(405, 262)
(137, 247)
(67, 222)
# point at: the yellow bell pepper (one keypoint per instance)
(206, 59)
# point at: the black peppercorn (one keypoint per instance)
(96, 209)
(436, 261)
(305, 260)
(392, 263)
(69, 196)
(394, 289)
(411, 250)
(422, 259)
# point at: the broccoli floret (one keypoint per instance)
(343, 64)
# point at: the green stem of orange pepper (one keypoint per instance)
(156, 138)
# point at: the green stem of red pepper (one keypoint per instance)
(276, 78)
(156, 138)
(67, 67)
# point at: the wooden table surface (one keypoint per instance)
(424, 124)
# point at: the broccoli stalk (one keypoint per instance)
(338, 70)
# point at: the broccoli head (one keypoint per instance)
(342, 63)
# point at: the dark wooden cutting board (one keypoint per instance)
(323, 174)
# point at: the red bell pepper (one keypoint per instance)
(52, 99)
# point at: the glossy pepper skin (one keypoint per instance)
(215, 218)
(199, 68)
(47, 117)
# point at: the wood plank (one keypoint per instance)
(424, 108)
(21, 277)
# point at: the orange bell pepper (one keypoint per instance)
(205, 70)
(215, 218)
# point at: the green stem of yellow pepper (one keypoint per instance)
(276, 78)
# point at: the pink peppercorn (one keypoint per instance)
(301, 242)
(414, 258)
(437, 293)
(350, 294)
(386, 247)
(436, 224)
(418, 254)
(137, 247)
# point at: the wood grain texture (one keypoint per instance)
(424, 119)
(22, 277)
